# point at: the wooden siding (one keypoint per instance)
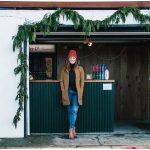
(47, 115)
(148, 99)
(66, 4)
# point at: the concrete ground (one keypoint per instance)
(125, 134)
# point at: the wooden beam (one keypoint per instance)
(33, 4)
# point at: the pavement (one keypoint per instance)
(135, 134)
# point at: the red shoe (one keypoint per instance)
(74, 132)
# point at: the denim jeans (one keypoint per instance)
(73, 107)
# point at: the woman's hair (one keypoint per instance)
(67, 65)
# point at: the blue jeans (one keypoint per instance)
(73, 107)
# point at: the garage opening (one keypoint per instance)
(125, 52)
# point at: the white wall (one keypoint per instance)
(9, 21)
(8, 81)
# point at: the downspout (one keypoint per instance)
(25, 98)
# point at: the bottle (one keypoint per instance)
(93, 72)
(99, 72)
(97, 69)
(106, 74)
(102, 71)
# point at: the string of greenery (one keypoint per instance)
(21, 68)
(50, 23)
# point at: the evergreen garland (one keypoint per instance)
(50, 23)
(21, 68)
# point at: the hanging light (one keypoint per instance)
(90, 43)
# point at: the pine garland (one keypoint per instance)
(21, 68)
(50, 23)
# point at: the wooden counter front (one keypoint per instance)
(47, 115)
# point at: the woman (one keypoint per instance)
(72, 84)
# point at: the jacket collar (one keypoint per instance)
(75, 68)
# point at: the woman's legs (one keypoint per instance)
(72, 108)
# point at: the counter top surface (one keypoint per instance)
(84, 80)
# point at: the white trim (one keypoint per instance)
(28, 100)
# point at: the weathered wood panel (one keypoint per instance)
(66, 4)
(148, 102)
(128, 66)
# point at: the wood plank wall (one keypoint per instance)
(148, 81)
(128, 66)
(66, 4)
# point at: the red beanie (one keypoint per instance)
(72, 53)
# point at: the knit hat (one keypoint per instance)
(72, 53)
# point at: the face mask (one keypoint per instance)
(72, 60)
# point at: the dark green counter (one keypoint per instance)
(48, 116)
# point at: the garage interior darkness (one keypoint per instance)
(126, 53)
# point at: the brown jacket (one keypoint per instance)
(64, 83)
